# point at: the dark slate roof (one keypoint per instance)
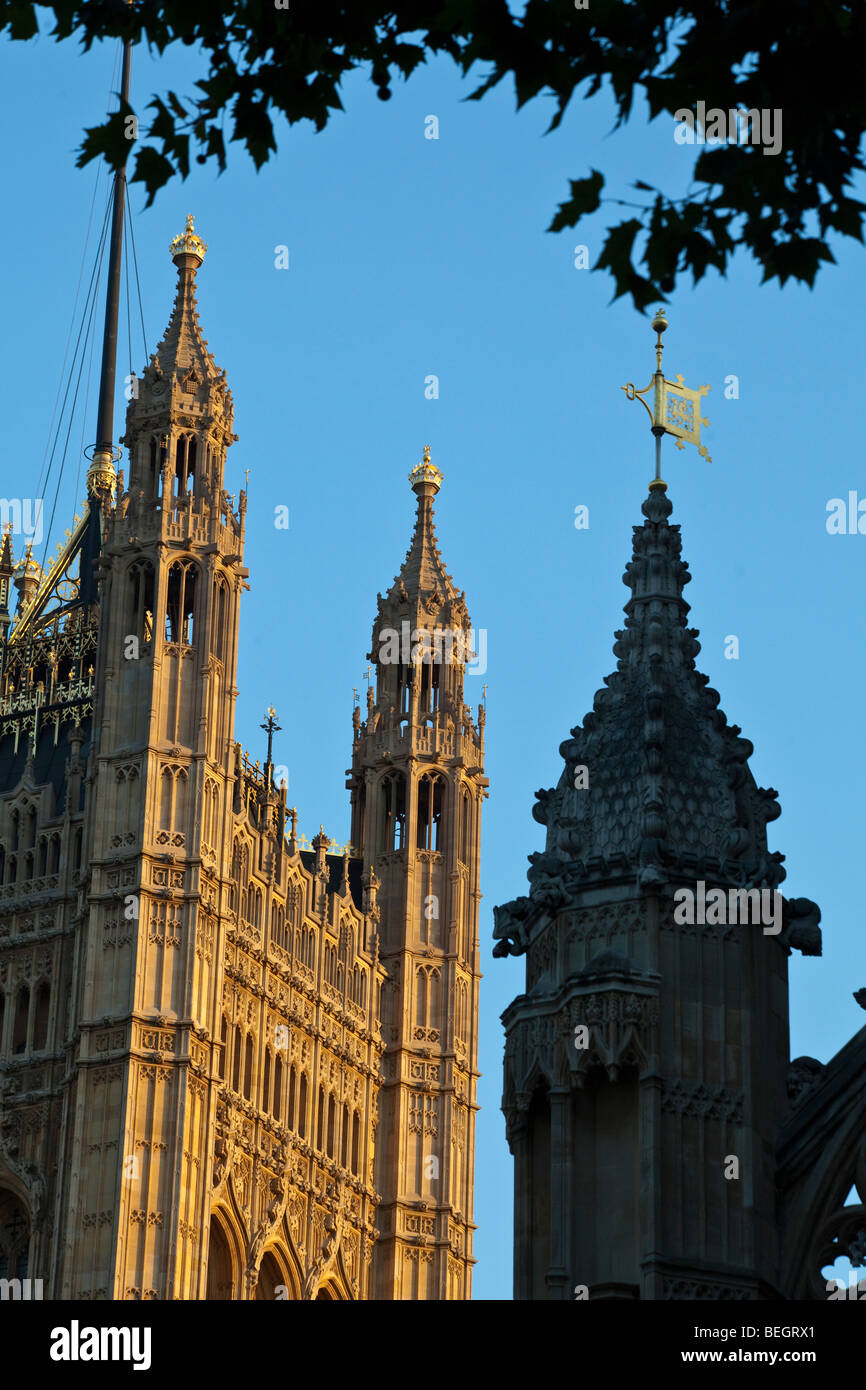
(334, 863)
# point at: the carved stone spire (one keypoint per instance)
(656, 783)
(7, 569)
(423, 571)
(183, 393)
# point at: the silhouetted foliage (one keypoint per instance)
(804, 59)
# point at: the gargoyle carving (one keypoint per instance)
(511, 929)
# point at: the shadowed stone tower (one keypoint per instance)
(191, 993)
(417, 781)
(651, 1106)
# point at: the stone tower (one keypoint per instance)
(191, 1046)
(417, 782)
(651, 1106)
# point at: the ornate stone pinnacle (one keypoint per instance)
(188, 243)
(427, 473)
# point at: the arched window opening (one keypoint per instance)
(220, 596)
(393, 834)
(428, 695)
(224, 1044)
(266, 1082)
(19, 1023)
(14, 1237)
(236, 1061)
(356, 1144)
(290, 1118)
(270, 1280)
(302, 1107)
(430, 796)
(320, 1120)
(158, 456)
(344, 1138)
(180, 604)
(278, 1089)
(30, 827)
(16, 822)
(219, 1265)
(404, 688)
(248, 1068)
(140, 611)
(180, 465)
(78, 845)
(43, 857)
(41, 1016)
(332, 1122)
(466, 827)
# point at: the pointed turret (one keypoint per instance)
(179, 422)
(656, 784)
(7, 569)
(423, 571)
(649, 1050)
(27, 578)
(417, 782)
(422, 636)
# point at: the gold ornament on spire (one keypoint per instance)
(188, 242)
(426, 472)
(676, 408)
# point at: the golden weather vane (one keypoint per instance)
(676, 408)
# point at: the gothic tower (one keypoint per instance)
(417, 782)
(647, 1064)
(160, 786)
(191, 993)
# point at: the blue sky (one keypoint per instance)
(411, 257)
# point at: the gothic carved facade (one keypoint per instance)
(664, 1145)
(234, 1064)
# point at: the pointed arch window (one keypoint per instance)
(266, 1081)
(14, 1237)
(302, 1106)
(158, 456)
(20, 1021)
(320, 1119)
(140, 583)
(224, 1044)
(41, 1017)
(220, 619)
(393, 831)
(174, 788)
(332, 1125)
(278, 1090)
(180, 603)
(356, 1144)
(428, 992)
(344, 1138)
(466, 828)
(428, 693)
(290, 1119)
(431, 793)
